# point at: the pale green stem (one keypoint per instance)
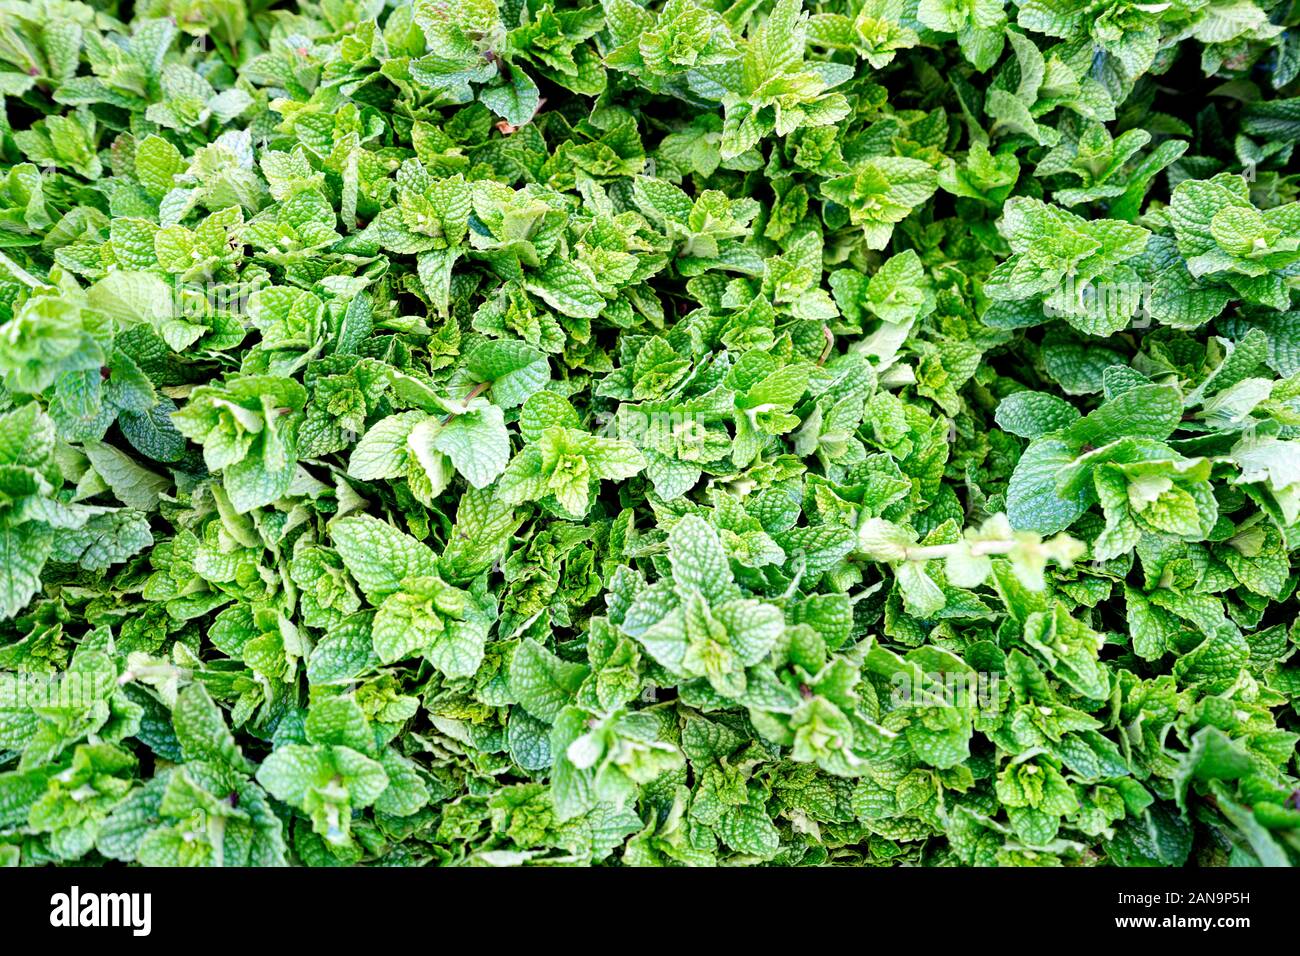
(978, 549)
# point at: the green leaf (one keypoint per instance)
(379, 556)
(543, 684)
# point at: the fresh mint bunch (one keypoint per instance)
(649, 433)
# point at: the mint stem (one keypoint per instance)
(474, 393)
(979, 549)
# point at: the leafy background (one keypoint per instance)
(457, 431)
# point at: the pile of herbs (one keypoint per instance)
(858, 432)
